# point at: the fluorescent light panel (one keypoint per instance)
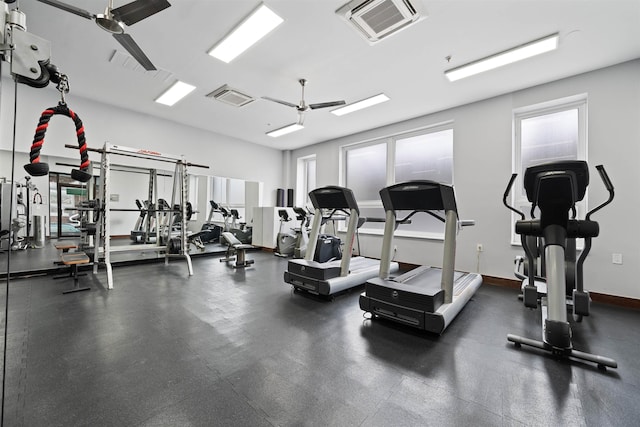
(175, 93)
(519, 53)
(260, 23)
(365, 103)
(285, 130)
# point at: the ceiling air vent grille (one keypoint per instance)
(230, 96)
(129, 63)
(377, 19)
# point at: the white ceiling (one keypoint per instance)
(314, 43)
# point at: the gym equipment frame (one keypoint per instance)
(103, 228)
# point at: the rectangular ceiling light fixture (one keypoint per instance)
(285, 130)
(536, 47)
(365, 103)
(175, 93)
(257, 25)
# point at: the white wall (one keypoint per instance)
(225, 156)
(483, 164)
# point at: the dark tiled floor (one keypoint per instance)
(234, 347)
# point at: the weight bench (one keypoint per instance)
(73, 260)
(237, 248)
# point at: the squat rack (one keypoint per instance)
(103, 226)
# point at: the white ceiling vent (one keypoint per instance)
(377, 19)
(129, 63)
(230, 96)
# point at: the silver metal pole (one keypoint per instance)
(556, 283)
(387, 244)
(106, 185)
(184, 198)
(449, 257)
(313, 236)
(348, 248)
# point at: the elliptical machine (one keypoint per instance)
(555, 188)
(210, 231)
(302, 233)
(293, 243)
(240, 230)
(286, 241)
(522, 267)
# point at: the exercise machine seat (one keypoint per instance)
(237, 248)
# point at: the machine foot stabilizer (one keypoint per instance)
(601, 361)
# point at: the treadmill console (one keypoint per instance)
(421, 195)
(333, 197)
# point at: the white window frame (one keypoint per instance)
(390, 141)
(302, 184)
(518, 195)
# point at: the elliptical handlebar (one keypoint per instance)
(608, 185)
(523, 240)
(506, 196)
(605, 178)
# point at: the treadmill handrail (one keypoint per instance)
(436, 197)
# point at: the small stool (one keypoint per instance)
(73, 260)
(237, 248)
(64, 247)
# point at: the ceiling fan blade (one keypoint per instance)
(134, 50)
(138, 10)
(68, 8)
(326, 104)
(279, 101)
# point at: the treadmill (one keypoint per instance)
(427, 298)
(328, 278)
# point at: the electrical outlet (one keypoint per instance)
(616, 259)
(479, 247)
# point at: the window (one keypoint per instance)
(543, 133)
(423, 154)
(366, 171)
(306, 179)
(426, 156)
(228, 193)
(219, 190)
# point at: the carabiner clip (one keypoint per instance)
(63, 87)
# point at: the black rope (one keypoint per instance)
(41, 129)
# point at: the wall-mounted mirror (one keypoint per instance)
(59, 195)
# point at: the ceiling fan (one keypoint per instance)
(303, 106)
(114, 21)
